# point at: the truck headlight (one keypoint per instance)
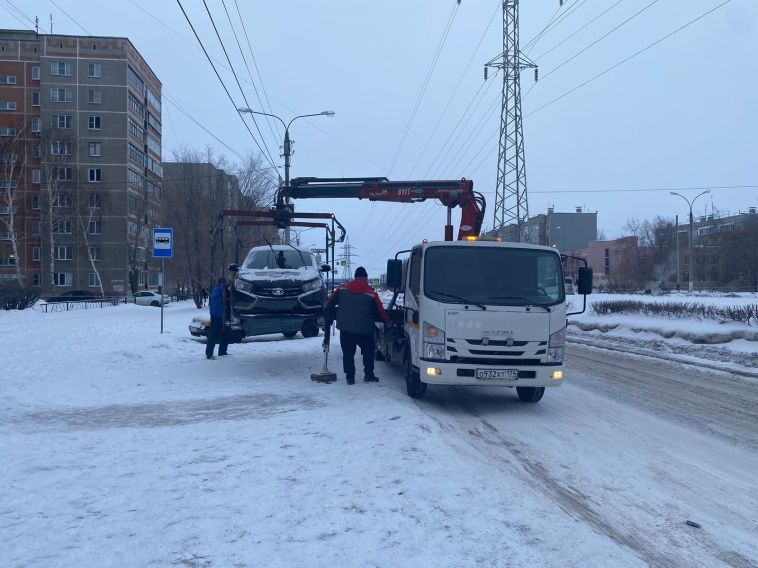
(434, 342)
(314, 284)
(243, 285)
(556, 345)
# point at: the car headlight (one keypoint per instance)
(556, 345)
(243, 285)
(434, 342)
(314, 284)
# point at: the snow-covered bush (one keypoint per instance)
(679, 310)
(15, 297)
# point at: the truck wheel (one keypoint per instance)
(413, 384)
(310, 329)
(289, 334)
(530, 394)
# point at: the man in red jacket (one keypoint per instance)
(357, 306)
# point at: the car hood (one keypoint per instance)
(278, 275)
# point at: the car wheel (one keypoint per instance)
(310, 329)
(289, 334)
(530, 394)
(155, 303)
(413, 384)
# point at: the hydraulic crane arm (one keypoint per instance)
(451, 193)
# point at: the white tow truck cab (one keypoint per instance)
(479, 312)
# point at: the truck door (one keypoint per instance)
(411, 302)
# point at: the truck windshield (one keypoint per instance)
(493, 275)
(279, 259)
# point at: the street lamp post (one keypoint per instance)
(287, 146)
(691, 270)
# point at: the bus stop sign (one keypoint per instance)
(163, 242)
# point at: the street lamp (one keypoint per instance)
(690, 203)
(287, 145)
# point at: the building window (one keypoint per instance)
(62, 278)
(94, 123)
(36, 278)
(153, 100)
(8, 105)
(136, 130)
(153, 123)
(7, 131)
(95, 201)
(35, 150)
(136, 106)
(61, 95)
(7, 79)
(94, 96)
(62, 227)
(135, 80)
(94, 149)
(64, 253)
(61, 200)
(35, 73)
(35, 98)
(95, 175)
(63, 174)
(36, 124)
(135, 179)
(154, 145)
(95, 253)
(60, 68)
(95, 227)
(36, 254)
(607, 264)
(137, 155)
(94, 280)
(94, 70)
(35, 228)
(60, 148)
(61, 120)
(36, 178)
(35, 201)
(154, 189)
(155, 167)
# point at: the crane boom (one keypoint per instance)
(451, 193)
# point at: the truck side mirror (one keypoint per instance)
(233, 268)
(394, 273)
(325, 268)
(584, 280)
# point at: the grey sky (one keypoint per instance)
(682, 114)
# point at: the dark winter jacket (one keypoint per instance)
(216, 303)
(357, 306)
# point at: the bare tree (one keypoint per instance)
(86, 209)
(13, 162)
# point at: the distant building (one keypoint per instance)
(567, 231)
(80, 130)
(613, 262)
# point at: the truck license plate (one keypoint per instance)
(496, 374)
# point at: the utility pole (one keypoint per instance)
(691, 269)
(676, 236)
(511, 202)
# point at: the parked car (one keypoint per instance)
(74, 296)
(148, 298)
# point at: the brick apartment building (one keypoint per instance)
(80, 171)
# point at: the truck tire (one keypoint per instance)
(530, 394)
(289, 334)
(414, 386)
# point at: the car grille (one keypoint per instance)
(278, 291)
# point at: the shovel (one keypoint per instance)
(325, 375)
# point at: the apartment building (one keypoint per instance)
(80, 171)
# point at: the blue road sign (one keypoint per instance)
(163, 242)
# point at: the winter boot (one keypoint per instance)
(350, 379)
(372, 378)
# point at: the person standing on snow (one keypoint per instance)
(216, 333)
(356, 307)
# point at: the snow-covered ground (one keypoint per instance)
(729, 345)
(124, 447)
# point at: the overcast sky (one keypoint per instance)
(681, 114)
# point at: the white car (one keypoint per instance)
(147, 298)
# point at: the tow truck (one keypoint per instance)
(476, 311)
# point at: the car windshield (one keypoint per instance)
(493, 275)
(278, 259)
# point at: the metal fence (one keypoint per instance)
(67, 306)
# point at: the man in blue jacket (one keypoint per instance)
(216, 332)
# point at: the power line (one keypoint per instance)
(601, 38)
(424, 85)
(460, 81)
(242, 91)
(255, 88)
(560, 43)
(588, 81)
(647, 189)
(24, 16)
(70, 18)
(218, 76)
(257, 70)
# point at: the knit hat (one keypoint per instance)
(360, 272)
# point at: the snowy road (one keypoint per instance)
(133, 450)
